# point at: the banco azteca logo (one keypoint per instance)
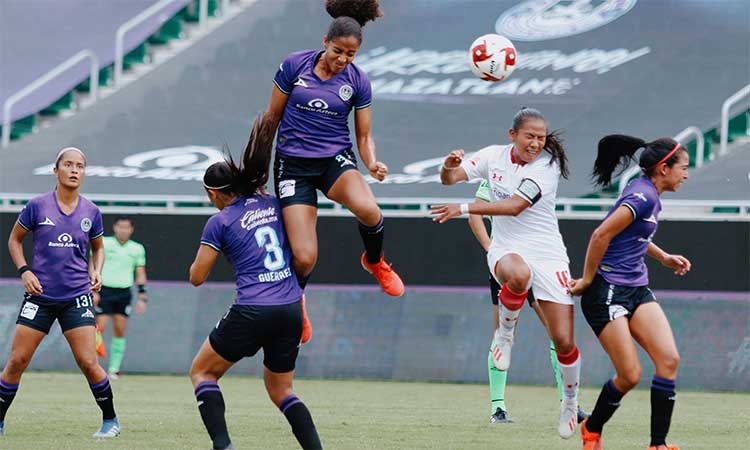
(539, 20)
(317, 103)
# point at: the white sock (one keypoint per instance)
(508, 318)
(571, 375)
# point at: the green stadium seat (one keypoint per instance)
(712, 135)
(738, 126)
(191, 13)
(138, 55)
(22, 126)
(105, 78)
(66, 102)
(171, 29)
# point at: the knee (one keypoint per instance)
(369, 215)
(278, 394)
(669, 364)
(564, 345)
(630, 377)
(17, 363)
(518, 281)
(88, 365)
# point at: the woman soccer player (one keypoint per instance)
(498, 378)
(314, 92)
(64, 225)
(527, 249)
(616, 301)
(267, 313)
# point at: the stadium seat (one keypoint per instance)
(66, 102)
(22, 126)
(191, 13)
(105, 78)
(738, 125)
(171, 29)
(138, 55)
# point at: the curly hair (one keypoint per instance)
(362, 11)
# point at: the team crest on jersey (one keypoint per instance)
(345, 92)
(86, 224)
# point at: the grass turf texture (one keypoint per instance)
(57, 411)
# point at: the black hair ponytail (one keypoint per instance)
(618, 150)
(350, 16)
(553, 142)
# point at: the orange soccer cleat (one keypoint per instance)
(389, 280)
(307, 330)
(101, 350)
(664, 447)
(591, 441)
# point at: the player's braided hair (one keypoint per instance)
(553, 142)
(252, 173)
(349, 16)
(618, 150)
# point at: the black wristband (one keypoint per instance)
(23, 269)
(141, 288)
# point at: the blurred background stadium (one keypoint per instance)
(152, 89)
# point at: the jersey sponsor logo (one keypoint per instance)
(88, 314)
(47, 221)
(64, 240)
(29, 310)
(317, 103)
(345, 92)
(85, 224)
(300, 82)
(252, 219)
(286, 188)
(539, 20)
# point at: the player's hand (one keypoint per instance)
(444, 212)
(96, 281)
(454, 159)
(679, 263)
(31, 283)
(378, 170)
(97, 298)
(578, 286)
(140, 305)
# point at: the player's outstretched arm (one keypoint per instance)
(451, 171)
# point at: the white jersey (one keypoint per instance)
(534, 233)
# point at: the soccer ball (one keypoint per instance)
(492, 57)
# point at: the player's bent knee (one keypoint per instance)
(17, 363)
(277, 395)
(630, 377)
(669, 363)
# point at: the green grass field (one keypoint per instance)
(57, 411)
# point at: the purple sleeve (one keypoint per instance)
(363, 96)
(212, 235)
(284, 78)
(639, 203)
(27, 218)
(97, 227)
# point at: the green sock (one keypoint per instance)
(555, 368)
(497, 384)
(116, 352)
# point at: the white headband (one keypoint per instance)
(69, 149)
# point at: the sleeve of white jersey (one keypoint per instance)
(540, 181)
(477, 167)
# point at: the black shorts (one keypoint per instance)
(40, 314)
(603, 302)
(495, 292)
(297, 179)
(114, 301)
(245, 329)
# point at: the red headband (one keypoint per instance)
(671, 152)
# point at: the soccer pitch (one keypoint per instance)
(56, 411)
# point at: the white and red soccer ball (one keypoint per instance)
(492, 57)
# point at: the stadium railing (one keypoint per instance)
(417, 207)
(725, 121)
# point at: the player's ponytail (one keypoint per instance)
(553, 142)
(252, 174)
(349, 16)
(618, 151)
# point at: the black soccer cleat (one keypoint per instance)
(500, 416)
(582, 415)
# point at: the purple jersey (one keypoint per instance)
(623, 263)
(315, 123)
(61, 244)
(250, 233)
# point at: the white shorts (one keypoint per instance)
(549, 278)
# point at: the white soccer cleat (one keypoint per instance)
(502, 343)
(109, 429)
(568, 418)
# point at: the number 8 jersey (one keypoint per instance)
(250, 234)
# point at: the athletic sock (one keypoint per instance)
(211, 407)
(556, 369)
(302, 424)
(511, 307)
(103, 395)
(662, 404)
(116, 353)
(7, 394)
(570, 373)
(498, 379)
(606, 405)
(372, 237)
